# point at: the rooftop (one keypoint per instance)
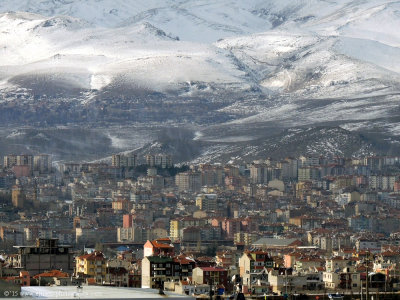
(52, 273)
(273, 242)
(94, 292)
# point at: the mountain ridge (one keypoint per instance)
(287, 64)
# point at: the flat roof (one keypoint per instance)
(274, 242)
(95, 292)
(41, 246)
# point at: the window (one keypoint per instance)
(354, 284)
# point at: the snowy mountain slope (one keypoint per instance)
(371, 51)
(230, 64)
(280, 59)
(92, 58)
(370, 20)
(275, 60)
(208, 21)
(318, 79)
(201, 20)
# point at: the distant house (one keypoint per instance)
(23, 279)
(253, 266)
(213, 275)
(161, 246)
(156, 270)
(117, 276)
(305, 264)
(51, 277)
(345, 278)
(92, 266)
(287, 282)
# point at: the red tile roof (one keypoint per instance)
(156, 244)
(52, 273)
(97, 255)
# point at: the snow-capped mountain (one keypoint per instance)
(63, 50)
(205, 20)
(229, 63)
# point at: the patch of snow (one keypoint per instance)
(98, 81)
(15, 133)
(197, 135)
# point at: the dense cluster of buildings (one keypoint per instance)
(294, 225)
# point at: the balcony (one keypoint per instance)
(159, 269)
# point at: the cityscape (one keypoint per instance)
(200, 149)
(307, 225)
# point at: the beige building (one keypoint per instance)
(117, 272)
(159, 160)
(308, 173)
(203, 275)
(336, 263)
(289, 283)
(188, 181)
(18, 197)
(42, 163)
(345, 278)
(207, 202)
(131, 234)
(253, 265)
(211, 175)
(259, 173)
(174, 229)
(18, 160)
(9, 161)
(121, 160)
(177, 225)
(245, 237)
